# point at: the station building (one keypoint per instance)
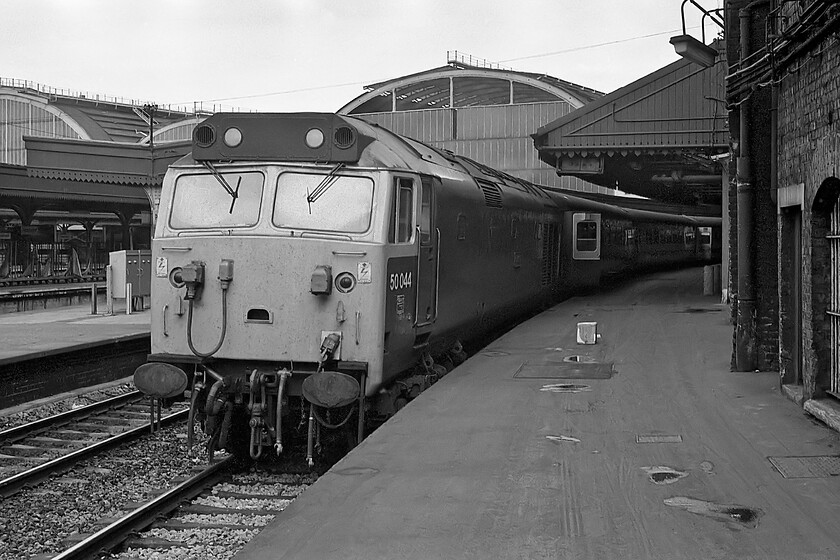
(79, 176)
(783, 90)
(477, 109)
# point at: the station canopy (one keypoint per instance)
(664, 136)
(81, 153)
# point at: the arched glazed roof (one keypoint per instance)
(31, 109)
(462, 85)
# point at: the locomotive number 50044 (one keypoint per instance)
(399, 281)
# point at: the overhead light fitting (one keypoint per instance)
(690, 48)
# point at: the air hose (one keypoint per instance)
(224, 327)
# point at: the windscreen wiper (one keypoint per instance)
(324, 185)
(234, 194)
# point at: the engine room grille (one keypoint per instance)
(492, 194)
(549, 254)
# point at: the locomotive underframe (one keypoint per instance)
(265, 398)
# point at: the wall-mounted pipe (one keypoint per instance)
(746, 352)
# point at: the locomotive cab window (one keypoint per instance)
(202, 201)
(323, 202)
(587, 236)
(402, 216)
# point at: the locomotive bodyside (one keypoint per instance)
(349, 261)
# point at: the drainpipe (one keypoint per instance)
(745, 343)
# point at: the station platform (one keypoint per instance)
(642, 446)
(16, 299)
(29, 335)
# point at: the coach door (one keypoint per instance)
(427, 256)
(834, 303)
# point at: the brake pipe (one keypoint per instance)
(278, 422)
(310, 436)
(196, 389)
(257, 384)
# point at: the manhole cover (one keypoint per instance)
(700, 310)
(818, 466)
(565, 370)
(659, 439)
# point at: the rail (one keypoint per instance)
(118, 531)
(15, 482)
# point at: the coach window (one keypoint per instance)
(688, 237)
(402, 225)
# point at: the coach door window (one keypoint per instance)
(587, 236)
(402, 225)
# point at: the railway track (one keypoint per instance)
(32, 452)
(216, 509)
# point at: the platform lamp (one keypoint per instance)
(690, 48)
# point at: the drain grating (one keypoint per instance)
(818, 466)
(564, 370)
(659, 439)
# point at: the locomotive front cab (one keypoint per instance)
(316, 296)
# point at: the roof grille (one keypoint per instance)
(204, 135)
(344, 137)
(492, 194)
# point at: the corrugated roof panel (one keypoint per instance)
(671, 107)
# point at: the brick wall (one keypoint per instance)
(51, 375)
(809, 154)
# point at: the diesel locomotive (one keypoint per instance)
(313, 270)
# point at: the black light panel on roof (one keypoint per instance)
(277, 137)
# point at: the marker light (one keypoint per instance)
(314, 138)
(233, 137)
(345, 282)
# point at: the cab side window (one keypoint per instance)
(425, 212)
(402, 224)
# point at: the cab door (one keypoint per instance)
(427, 255)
